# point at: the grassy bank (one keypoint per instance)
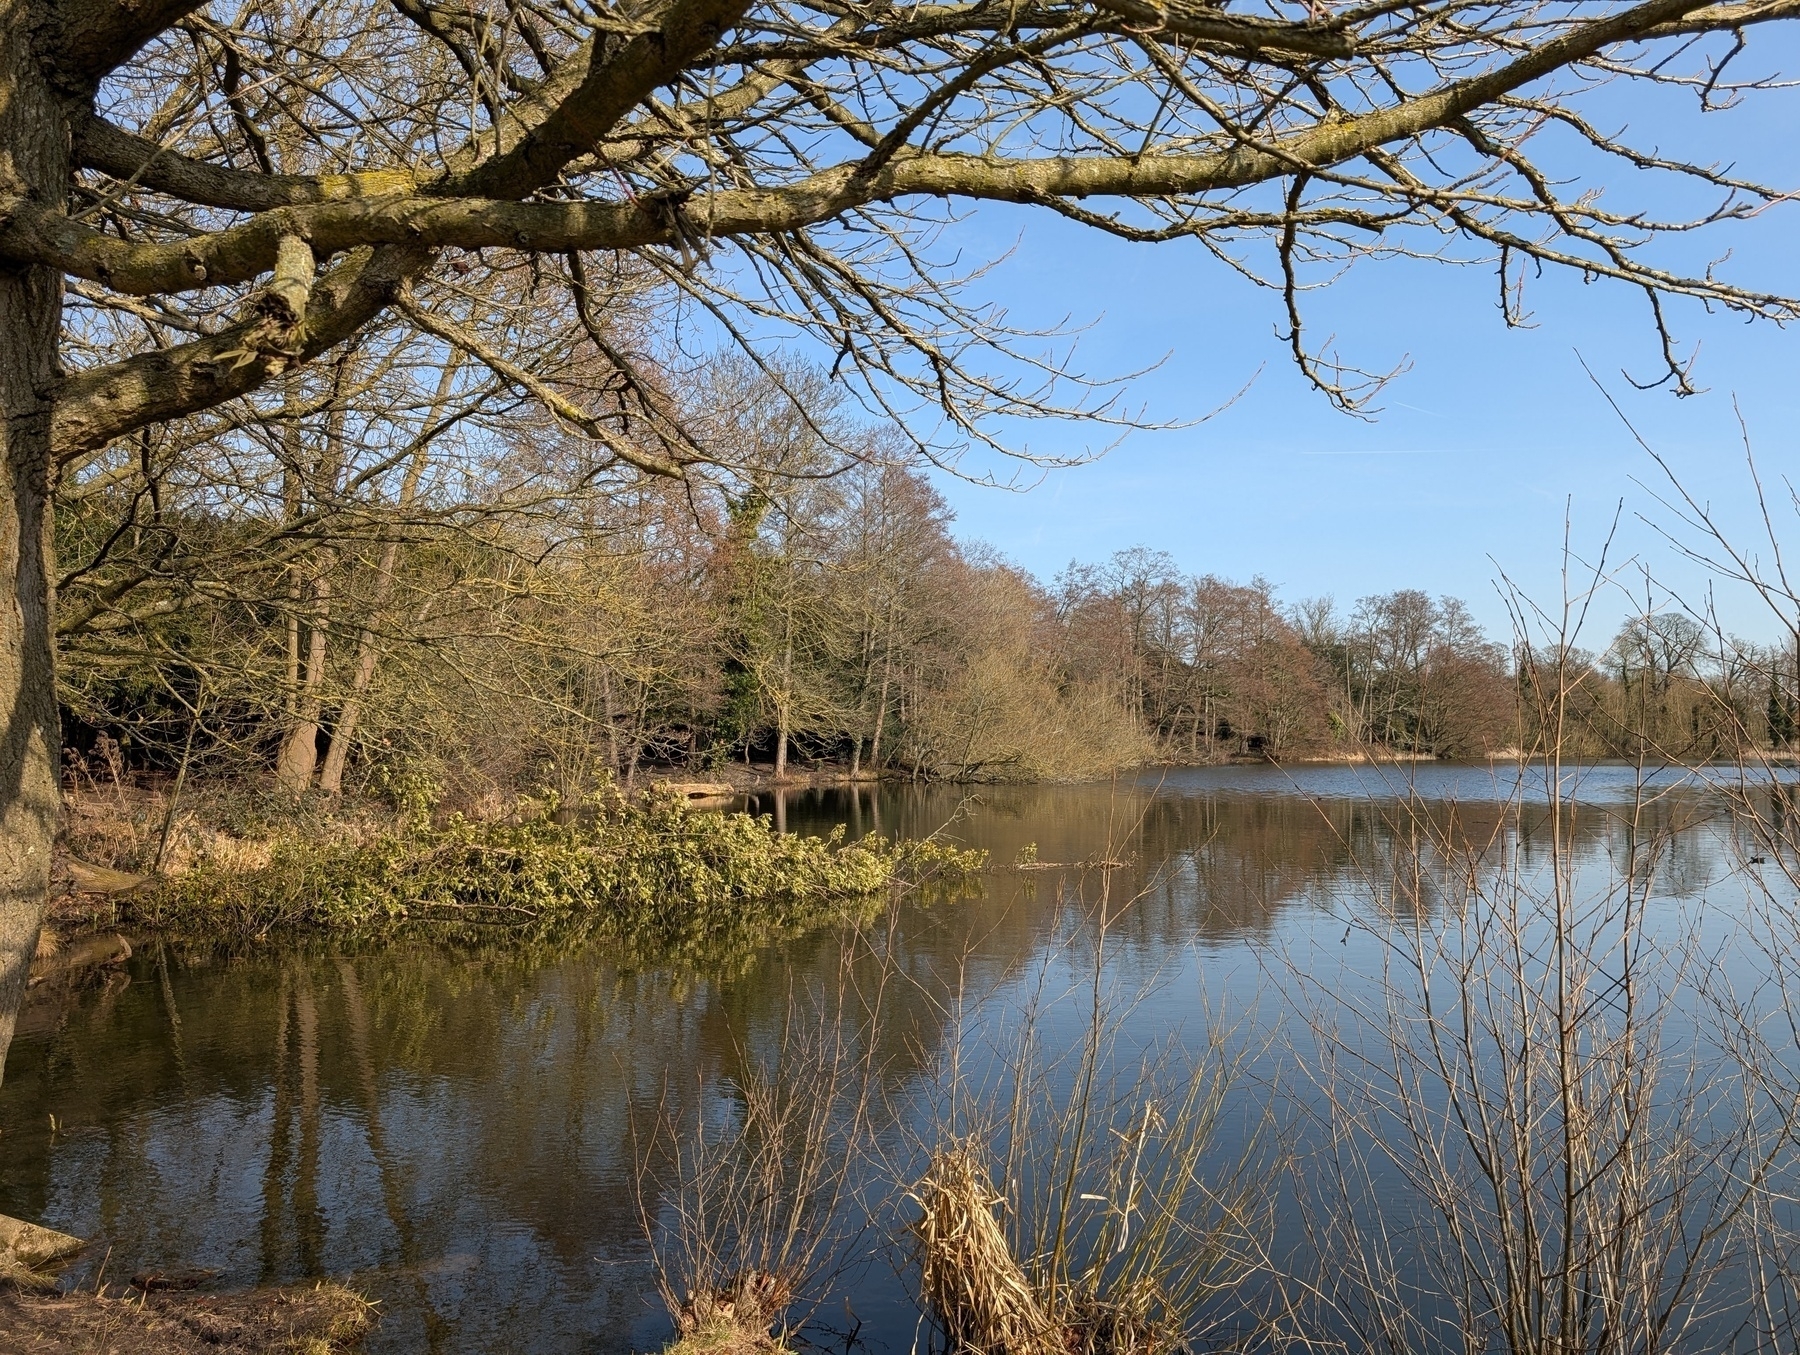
(320, 1319)
(645, 868)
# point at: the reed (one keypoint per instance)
(980, 1295)
(1123, 1222)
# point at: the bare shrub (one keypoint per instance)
(1535, 1130)
(746, 1192)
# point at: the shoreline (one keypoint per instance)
(348, 867)
(318, 1319)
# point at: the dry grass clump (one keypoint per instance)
(977, 1291)
(234, 826)
(746, 1188)
(16, 1275)
(726, 1338)
(985, 1302)
(1129, 1322)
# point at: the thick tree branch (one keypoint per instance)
(97, 406)
(135, 159)
(242, 253)
(1724, 18)
(285, 299)
(1205, 24)
(616, 80)
(556, 123)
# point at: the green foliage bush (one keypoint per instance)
(646, 868)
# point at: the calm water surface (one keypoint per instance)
(452, 1131)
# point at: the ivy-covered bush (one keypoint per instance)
(645, 867)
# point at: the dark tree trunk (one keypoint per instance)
(34, 160)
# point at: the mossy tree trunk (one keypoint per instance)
(34, 161)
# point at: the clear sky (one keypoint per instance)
(1478, 451)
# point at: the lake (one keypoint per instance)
(457, 1131)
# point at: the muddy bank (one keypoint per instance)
(302, 1320)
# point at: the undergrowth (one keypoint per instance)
(644, 868)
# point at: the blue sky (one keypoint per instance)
(1480, 449)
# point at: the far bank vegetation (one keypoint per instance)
(398, 581)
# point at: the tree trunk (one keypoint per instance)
(337, 753)
(785, 703)
(881, 706)
(300, 750)
(299, 756)
(33, 162)
(612, 723)
(639, 718)
(293, 445)
(331, 775)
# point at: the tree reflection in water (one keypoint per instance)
(451, 1127)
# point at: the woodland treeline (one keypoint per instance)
(398, 577)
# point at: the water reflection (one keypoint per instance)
(457, 1130)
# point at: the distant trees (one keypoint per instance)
(1667, 688)
(392, 575)
(1207, 667)
(894, 595)
(386, 581)
(1655, 664)
(1214, 669)
(1419, 675)
(398, 580)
